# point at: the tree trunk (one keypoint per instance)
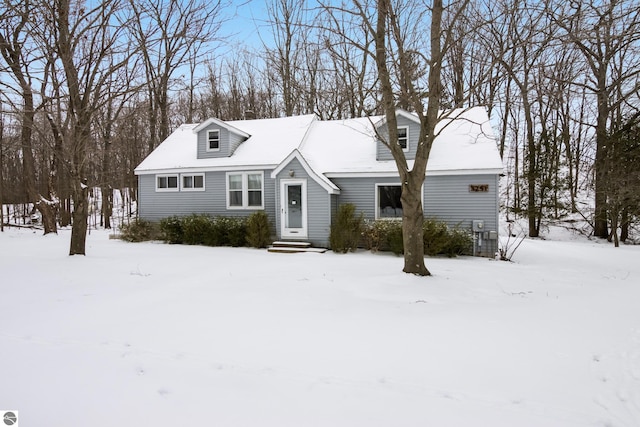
(600, 226)
(107, 205)
(48, 210)
(106, 189)
(531, 171)
(412, 232)
(624, 226)
(80, 215)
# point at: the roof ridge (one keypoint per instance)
(305, 137)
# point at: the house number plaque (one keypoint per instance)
(479, 188)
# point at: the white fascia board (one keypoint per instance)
(324, 182)
(394, 174)
(194, 169)
(332, 175)
(465, 172)
(221, 124)
(399, 112)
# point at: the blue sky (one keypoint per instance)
(245, 19)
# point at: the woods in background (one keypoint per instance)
(88, 90)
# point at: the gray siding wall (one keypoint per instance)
(318, 205)
(361, 192)
(154, 206)
(383, 153)
(449, 199)
(446, 198)
(229, 141)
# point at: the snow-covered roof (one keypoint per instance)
(269, 142)
(465, 144)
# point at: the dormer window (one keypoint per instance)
(213, 140)
(403, 138)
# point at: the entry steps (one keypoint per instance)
(291, 247)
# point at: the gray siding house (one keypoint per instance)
(300, 169)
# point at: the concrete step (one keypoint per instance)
(294, 247)
(291, 244)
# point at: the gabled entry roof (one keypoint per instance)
(322, 180)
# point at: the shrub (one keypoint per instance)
(346, 229)
(258, 230)
(435, 236)
(438, 238)
(204, 230)
(460, 242)
(394, 237)
(138, 230)
(216, 234)
(171, 229)
(195, 229)
(236, 231)
(373, 235)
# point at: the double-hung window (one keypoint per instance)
(403, 137)
(213, 140)
(388, 204)
(245, 190)
(167, 182)
(193, 182)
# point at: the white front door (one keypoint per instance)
(293, 204)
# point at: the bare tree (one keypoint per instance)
(173, 33)
(607, 35)
(521, 53)
(406, 77)
(285, 59)
(92, 47)
(351, 77)
(16, 24)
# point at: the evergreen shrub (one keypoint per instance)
(258, 230)
(394, 238)
(195, 229)
(460, 242)
(438, 237)
(138, 230)
(346, 229)
(435, 235)
(171, 229)
(235, 231)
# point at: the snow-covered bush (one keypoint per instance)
(204, 230)
(258, 230)
(438, 237)
(346, 229)
(196, 229)
(171, 229)
(139, 230)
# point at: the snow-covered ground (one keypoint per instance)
(157, 335)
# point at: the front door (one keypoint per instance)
(294, 208)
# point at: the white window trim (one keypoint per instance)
(376, 197)
(407, 133)
(168, 189)
(208, 146)
(245, 190)
(376, 206)
(183, 188)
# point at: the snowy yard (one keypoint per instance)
(158, 335)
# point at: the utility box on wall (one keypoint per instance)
(478, 226)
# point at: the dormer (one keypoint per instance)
(218, 139)
(408, 134)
